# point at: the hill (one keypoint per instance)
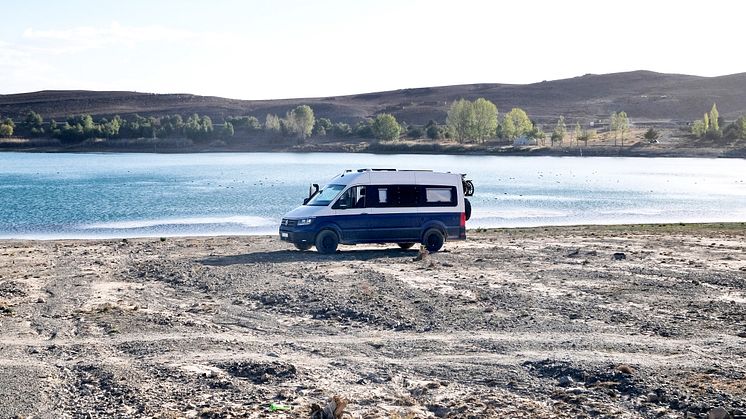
(644, 95)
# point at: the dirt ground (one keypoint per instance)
(510, 323)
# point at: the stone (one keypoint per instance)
(718, 413)
(566, 381)
(625, 369)
(619, 256)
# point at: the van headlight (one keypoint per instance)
(305, 221)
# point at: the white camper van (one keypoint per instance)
(381, 206)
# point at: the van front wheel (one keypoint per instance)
(405, 246)
(433, 240)
(326, 242)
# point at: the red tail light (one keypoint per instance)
(463, 219)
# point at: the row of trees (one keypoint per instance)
(711, 126)
(480, 121)
(466, 121)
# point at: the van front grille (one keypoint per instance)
(289, 223)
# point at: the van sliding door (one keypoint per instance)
(395, 216)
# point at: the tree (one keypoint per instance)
(228, 130)
(714, 118)
(538, 134)
(415, 132)
(619, 124)
(323, 125)
(364, 129)
(6, 128)
(385, 127)
(301, 121)
(460, 119)
(341, 129)
(516, 124)
(33, 123)
(699, 129)
(272, 123)
(651, 135)
(485, 119)
(578, 132)
(560, 130)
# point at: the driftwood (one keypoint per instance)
(333, 410)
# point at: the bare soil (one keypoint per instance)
(620, 321)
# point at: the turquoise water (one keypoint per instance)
(133, 195)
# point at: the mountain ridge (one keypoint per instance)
(644, 95)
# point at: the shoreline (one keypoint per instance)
(671, 226)
(419, 149)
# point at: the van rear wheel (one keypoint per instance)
(405, 246)
(433, 240)
(327, 242)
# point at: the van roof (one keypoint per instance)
(395, 176)
(389, 170)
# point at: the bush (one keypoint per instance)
(651, 135)
(416, 132)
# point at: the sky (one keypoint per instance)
(294, 48)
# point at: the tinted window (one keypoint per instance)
(406, 196)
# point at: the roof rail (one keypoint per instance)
(392, 170)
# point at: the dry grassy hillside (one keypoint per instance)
(643, 95)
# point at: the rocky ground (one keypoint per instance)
(626, 321)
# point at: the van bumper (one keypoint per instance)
(297, 236)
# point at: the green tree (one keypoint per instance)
(322, 126)
(301, 121)
(651, 134)
(560, 131)
(342, 130)
(228, 130)
(623, 126)
(485, 119)
(385, 127)
(272, 123)
(578, 132)
(364, 129)
(699, 129)
(461, 119)
(432, 130)
(714, 116)
(619, 125)
(6, 128)
(538, 134)
(516, 124)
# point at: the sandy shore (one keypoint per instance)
(510, 323)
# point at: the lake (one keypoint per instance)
(132, 195)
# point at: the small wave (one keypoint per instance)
(633, 211)
(244, 220)
(517, 213)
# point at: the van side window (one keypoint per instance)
(439, 196)
(351, 198)
(406, 196)
(383, 196)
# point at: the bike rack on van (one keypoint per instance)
(468, 185)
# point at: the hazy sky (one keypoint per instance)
(281, 49)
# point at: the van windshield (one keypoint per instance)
(326, 195)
